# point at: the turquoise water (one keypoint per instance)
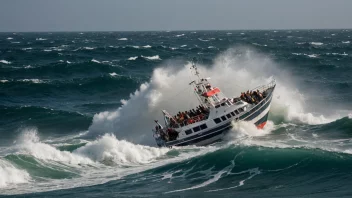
(77, 111)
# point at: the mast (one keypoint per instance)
(206, 94)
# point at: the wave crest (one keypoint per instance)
(11, 175)
(120, 151)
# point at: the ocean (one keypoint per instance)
(77, 109)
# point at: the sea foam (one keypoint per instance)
(132, 58)
(119, 151)
(316, 43)
(156, 57)
(5, 62)
(95, 61)
(179, 35)
(10, 175)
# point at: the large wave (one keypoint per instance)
(11, 175)
(44, 166)
(234, 71)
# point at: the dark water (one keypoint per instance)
(77, 109)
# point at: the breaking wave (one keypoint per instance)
(316, 43)
(132, 58)
(10, 175)
(156, 57)
(120, 151)
(5, 62)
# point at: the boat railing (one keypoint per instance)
(262, 88)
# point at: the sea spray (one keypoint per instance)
(10, 175)
(234, 71)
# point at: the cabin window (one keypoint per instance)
(233, 114)
(241, 109)
(189, 131)
(217, 106)
(223, 104)
(236, 112)
(203, 126)
(217, 120)
(196, 129)
(228, 115)
(223, 118)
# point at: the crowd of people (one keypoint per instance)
(165, 134)
(189, 117)
(252, 97)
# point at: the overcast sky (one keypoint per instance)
(131, 15)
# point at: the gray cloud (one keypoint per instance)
(131, 15)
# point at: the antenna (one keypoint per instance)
(194, 66)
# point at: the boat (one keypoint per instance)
(213, 118)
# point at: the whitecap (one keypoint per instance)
(9, 38)
(183, 45)
(156, 57)
(132, 58)
(122, 39)
(113, 74)
(337, 54)
(229, 33)
(345, 42)
(204, 40)
(210, 47)
(5, 62)
(316, 43)
(179, 35)
(36, 81)
(109, 148)
(28, 67)
(4, 81)
(312, 55)
(95, 61)
(40, 39)
(259, 44)
(27, 48)
(300, 43)
(147, 46)
(68, 62)
(15, 42)
(89, 48)
(47, 50)
(10, 175)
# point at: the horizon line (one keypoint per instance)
(274, 29)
